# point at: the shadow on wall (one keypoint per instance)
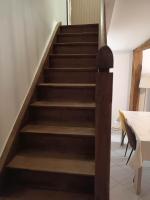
(25, 29)
(121, 83)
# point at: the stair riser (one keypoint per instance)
(77, 146)
(76, 49)
(54, 181)
(70, 62)
(79, 29)
(66, 115)
(76, 38)
(67, 94)
(69, 77)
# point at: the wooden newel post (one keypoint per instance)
(104, 82)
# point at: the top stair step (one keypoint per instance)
(73, 69)
(79, 28)
(78, 34)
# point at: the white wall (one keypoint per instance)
(122, 83)
(25, 28)
(130, 24)
(144, 99)
(146, 62)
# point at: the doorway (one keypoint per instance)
(83, 11)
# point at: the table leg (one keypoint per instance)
(137, 180)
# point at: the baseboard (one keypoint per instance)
(15, 129)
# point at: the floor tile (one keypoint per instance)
(121, 176)
(121, 193)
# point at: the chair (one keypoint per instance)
(131, 139)
(123, 127)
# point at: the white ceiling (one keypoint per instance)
(130, 24)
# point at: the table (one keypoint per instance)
(140, 122)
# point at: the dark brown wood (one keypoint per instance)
(56, 130)
(76, 48)
(103, 134)
(21, 193)
(104, 58)
(47, 162)
(74, 75)
(80, 28)
(53, 181)
(103, 123)
(78, 37)
(73, 60)
(79, 147)
(75, 115)
(67, 92)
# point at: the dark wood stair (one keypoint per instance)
(55, 154)
(80, 28)
(75, 141)
(66, 92)
(76, 48)
(71, 105)
(78, 37)
(35, 160)
(73, 60)
(64, 130)
(29, 193)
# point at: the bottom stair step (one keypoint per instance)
(57, 171)
(45, 162)
(25, 193)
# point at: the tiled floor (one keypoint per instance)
(121, 187)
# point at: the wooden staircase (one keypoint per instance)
(55, 150)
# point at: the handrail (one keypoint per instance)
(67, 10)
(102, 25)
(104, 59)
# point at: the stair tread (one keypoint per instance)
(44, 161)
(72, 69)
(80, 25)
(62, 123)
(75, 43)
(78, 34)
(27, 193)
(61, 104)
(73, 55)
(60, 130)
(70, 85)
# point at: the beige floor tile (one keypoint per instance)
(121, 181)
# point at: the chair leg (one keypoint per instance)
(129, 156)
(126, 149)
(122, 138)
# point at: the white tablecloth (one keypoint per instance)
(140, 122)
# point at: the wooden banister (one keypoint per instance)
(104, 82)
(103, 134)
